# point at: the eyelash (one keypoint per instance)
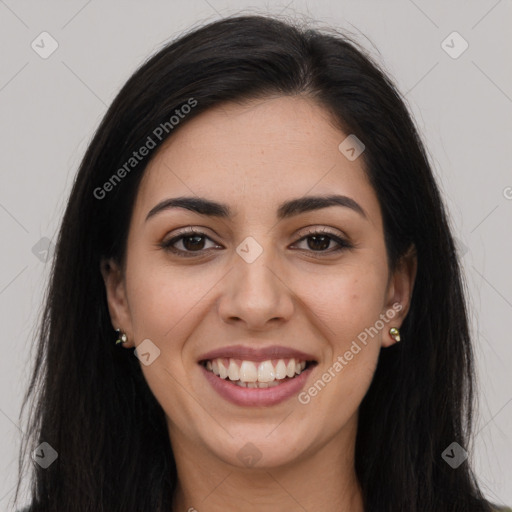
(168, 245)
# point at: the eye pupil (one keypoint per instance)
(324, 244)
(195, 244)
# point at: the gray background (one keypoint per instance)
(462, 106)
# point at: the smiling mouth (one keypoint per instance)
(251, 374)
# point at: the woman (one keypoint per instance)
(257, 222)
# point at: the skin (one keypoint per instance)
(253, 157)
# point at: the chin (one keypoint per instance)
(259, 447)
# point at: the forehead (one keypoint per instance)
(254, 155)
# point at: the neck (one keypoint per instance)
(324, 479)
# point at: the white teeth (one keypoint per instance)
(280, 370)
(266, 372)
(250, 374)
(223, 371)
(290, 369)
(248, 371)
(233, 370)
(299, 367)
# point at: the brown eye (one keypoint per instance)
(191, 242)
(320, 241)
(194, 242)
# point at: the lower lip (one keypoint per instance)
(256, 396)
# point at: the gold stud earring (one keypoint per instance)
(395, 333)
(121, 337)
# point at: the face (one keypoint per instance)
(266, 287)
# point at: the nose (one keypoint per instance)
(256, 294)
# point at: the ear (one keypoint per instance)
(116, 297)
(400, 288)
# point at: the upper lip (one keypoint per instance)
(250, 353)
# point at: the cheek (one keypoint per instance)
(347, 311)
(163, 297)
(350, 307)
(165, 305)
(345, 302)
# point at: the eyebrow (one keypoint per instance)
(286, 210)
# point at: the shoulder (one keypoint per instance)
(501, 508)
